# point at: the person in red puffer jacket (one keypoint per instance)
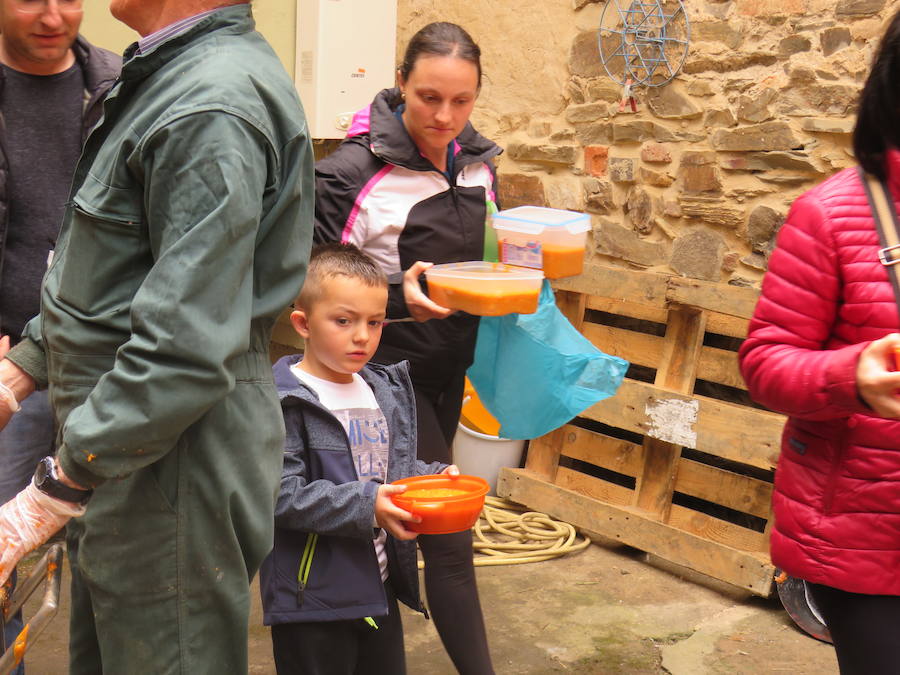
(820, 349)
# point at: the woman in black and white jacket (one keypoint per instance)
(411, 186)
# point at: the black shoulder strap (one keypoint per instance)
(885, 216)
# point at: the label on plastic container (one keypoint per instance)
(529, 255)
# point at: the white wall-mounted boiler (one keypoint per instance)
(346, 53)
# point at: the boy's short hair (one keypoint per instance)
(328, 261)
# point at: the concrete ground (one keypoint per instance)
(604, 610)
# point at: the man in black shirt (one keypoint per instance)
(52, 85)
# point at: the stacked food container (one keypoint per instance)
(533, 242)
(551, 240)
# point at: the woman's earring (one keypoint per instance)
(402, 95)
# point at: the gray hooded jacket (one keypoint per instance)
(324, 513)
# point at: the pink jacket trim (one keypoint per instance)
(361, 122)
(360, 198)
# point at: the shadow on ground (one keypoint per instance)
(601, 611)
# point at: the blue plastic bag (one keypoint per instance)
(535, 372)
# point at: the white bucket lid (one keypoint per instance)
(533, 219)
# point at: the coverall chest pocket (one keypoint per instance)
(103, 261)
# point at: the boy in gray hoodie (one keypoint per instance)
(342, 555)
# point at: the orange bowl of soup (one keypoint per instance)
(485, 288)
(445, 503)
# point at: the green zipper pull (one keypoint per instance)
(305, 562)
(369, 620)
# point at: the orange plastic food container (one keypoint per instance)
(446, 504)
(552, 240)
(485, 288)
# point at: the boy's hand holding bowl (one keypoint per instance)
(441, 504)
(391, 517)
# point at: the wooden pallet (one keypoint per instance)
(679, 463)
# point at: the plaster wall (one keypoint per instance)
(275, 19)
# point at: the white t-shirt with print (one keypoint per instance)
(355, 407)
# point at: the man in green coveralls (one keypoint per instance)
(187, 232)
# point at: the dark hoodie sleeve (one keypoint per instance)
(335, 199)
(396, 304)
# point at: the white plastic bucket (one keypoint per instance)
(483, 455)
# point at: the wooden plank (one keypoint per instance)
(611, 287)
(625, 410)
(728, 430)
(543, 453)
(721, 366)
(713, 365)
(604, 451)
(716, 529)
(724, 324)
(710, 483)
(752, 571)
(642, 288)
(739, 433)
(657, 290)
(595, 488)
(676, 371)
(638, 348)
(720, 486)
(768, 531)
(684, 337)
(715, 485)
(657, 314)
(733, 300)
(572, 306)
(656, 482)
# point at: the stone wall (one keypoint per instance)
(699, 178)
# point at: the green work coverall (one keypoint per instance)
(188, 232)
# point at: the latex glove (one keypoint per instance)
(420, 306)
(17, 385)
(7, 396)
(27, 521)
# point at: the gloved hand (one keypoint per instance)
(17, 384)
(7, 396)
(27, 521)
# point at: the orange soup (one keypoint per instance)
(562, 262)
(484, 301)
(431, 493)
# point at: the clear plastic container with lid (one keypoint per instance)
(485, 288)
(551, 240)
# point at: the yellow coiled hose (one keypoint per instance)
(509, 534)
